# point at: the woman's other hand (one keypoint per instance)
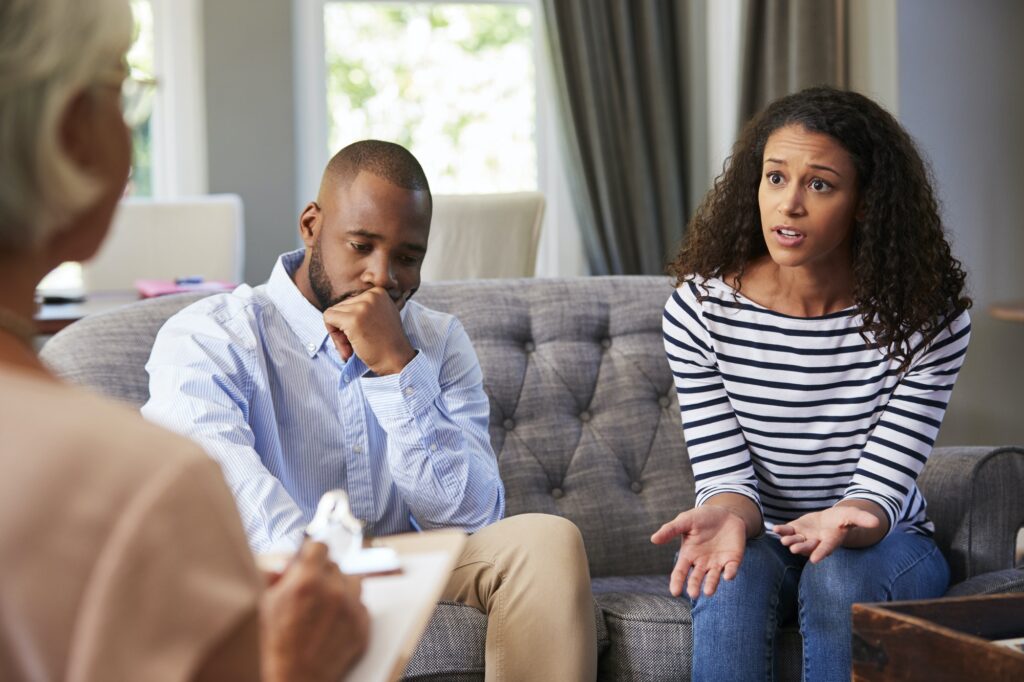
(849, 523)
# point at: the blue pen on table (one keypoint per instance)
(194, 279)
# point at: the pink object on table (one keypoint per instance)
(149, 288)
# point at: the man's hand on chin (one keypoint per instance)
(369, 325)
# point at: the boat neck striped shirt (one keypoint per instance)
(800, 413)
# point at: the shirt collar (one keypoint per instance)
(302, 316)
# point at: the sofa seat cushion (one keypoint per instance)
(452, 648)
(649, 629)
(650, 632)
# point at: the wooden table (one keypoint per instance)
(938, 639)
(1012, 311)
(52, 317)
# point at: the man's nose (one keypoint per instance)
(380, 273)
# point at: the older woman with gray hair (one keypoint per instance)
(121, 553)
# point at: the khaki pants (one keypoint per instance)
(529, 575)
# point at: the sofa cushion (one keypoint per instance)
(651, 637)
(117, 344)
(649, 629)
(584, 418)
(452, 648)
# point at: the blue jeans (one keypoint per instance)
(734, 629)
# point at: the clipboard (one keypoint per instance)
(400, 605)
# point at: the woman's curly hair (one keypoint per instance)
(907, 280)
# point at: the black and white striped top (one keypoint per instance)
(799, 413)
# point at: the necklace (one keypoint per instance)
(18, 327)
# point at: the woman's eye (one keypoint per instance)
(819, 185)
(775, 178)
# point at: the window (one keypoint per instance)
(465, 84)
(140, 60)
(65, 281)
(424, 75)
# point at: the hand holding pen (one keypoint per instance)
(313, 625)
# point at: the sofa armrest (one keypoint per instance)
(996, 582)
(975, 498)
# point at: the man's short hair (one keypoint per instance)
(386, 160)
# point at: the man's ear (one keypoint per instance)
(309, 223)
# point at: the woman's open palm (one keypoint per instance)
(711, 547)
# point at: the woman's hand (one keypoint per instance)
(713, 540)
(816, 535)
(314, 625)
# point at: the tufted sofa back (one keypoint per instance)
(584, 417)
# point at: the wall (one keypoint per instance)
(961, 95)
(251, 121)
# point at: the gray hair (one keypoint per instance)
(50, 51)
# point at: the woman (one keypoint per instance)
(817, 328)
(121, 553)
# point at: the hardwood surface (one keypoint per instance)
(52, 317)
(938, 640)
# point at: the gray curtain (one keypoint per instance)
(789, 45)
(631, 83)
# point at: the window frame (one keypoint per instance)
(178, 123)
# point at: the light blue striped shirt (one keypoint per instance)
(253, 377)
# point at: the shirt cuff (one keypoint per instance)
(404, 395)
(885, 505)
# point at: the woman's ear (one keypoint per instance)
(77, 130)
(862, 211)
(309, 223)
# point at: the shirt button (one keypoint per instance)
(509, 425)
(348, 378)
(408, 391)
(358, 449)
(311, 347)
(636, 486)
(433, 447)
(557, 493)
(663, 401)
(584, 416)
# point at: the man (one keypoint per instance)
(391, 408)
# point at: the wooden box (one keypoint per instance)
(938, 639)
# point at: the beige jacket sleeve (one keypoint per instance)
(174, 580)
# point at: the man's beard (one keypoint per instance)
(321, 286)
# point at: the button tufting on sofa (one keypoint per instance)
(557, 493)
(529, 347)
(509, 424)
(606, 343)
(584, 416)
(636, 486)
(664, 401)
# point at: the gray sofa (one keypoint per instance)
(585, 423)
